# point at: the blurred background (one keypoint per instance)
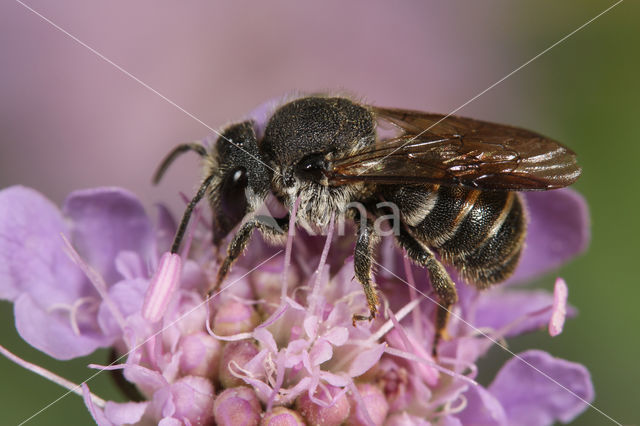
(70, 120)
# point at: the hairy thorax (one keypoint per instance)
(318, 202)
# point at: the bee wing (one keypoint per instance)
(458, 151)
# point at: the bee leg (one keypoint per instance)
(269, 226)
(440, 281)
(187, 214)
(362, 259)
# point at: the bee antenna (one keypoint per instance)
(175, 152)
(187, 213)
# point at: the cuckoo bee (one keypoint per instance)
(454, 180)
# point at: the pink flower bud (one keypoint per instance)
(374, 402)
(238, 352)
(316, 414)
(234, 317)
(193, 399)
(201, 355)
(281, 416)
(162, 287)
(237, 407)
(267, 284)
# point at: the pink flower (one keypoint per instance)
(257, 355)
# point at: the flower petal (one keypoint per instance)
(127, 296)
(265, 337)
(107, 221)
(405, 419)
(520, 311)
(130, 266)
(96, 412)
(482, 408)
(32, 258)
(530, 398)
(320, 352)
(52, 333)
(261, 113)
(558, 230)
(334, 379)
(147, 380)
(165, 228)
(337, 336)
(445, 421)
(311, 326)
(122, 413)
(365, 360)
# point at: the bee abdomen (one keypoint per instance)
(489, 209)
(495, 258)
(415, 202)
(479, 232)
(453, 205)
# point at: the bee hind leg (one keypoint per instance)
(362, 261)
(269, 226)
(440, 281)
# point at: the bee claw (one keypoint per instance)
(355, 318)
(444, 335)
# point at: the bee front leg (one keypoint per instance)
(362, 259)
(269, 226)
(440, 281)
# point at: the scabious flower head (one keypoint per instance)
(276, 344)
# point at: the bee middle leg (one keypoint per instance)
(440, 281)
(362, 260)
(269, 226)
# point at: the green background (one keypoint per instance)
(585, 92)
(594, 85)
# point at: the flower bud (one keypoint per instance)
(267, 284)
(238, 352)
(281, 416)
(374, 402)
(237, 407)
(316, 414)
(193, 399)
(201, 355)
(234, 317)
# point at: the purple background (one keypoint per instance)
(69, 120)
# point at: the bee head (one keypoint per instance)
(241, 178)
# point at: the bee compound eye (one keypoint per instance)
(311, 167)
(233, 199)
